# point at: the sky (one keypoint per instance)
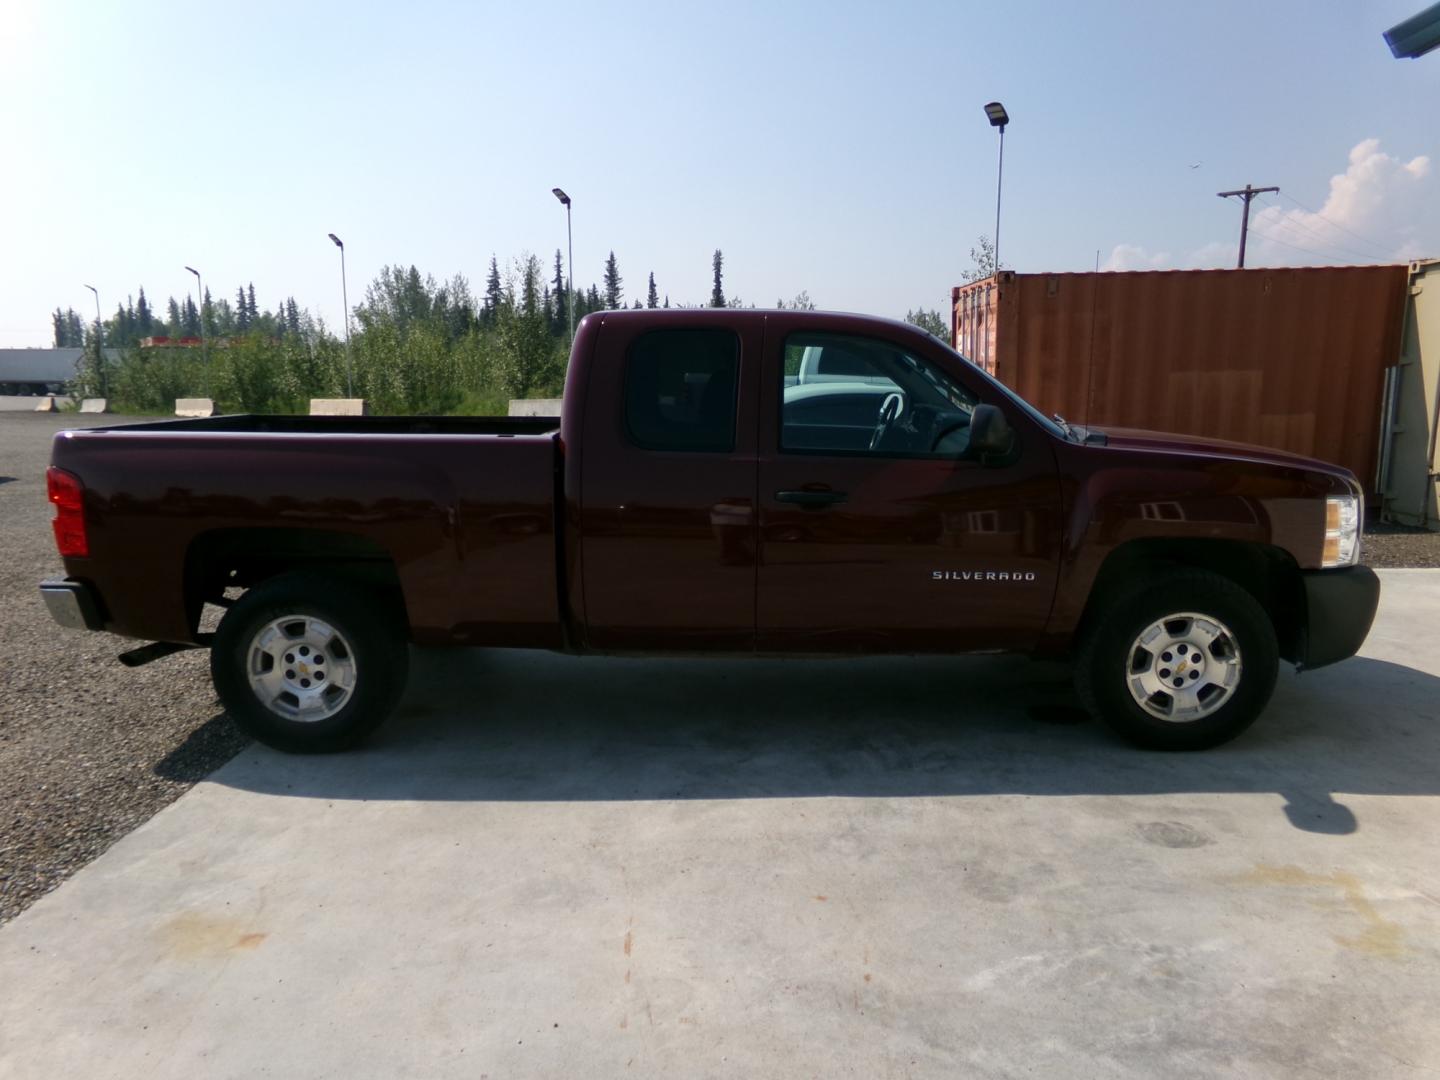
(837, 148)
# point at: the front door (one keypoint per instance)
(880, 531)
(668, 486)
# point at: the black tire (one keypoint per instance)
(371, 639)
(1104, 662)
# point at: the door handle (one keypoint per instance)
(811, 500)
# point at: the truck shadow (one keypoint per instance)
(535, 726)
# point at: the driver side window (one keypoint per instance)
(855, 395)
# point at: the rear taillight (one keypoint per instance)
(68, 495)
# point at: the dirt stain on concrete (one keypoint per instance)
(192, 934)
(1379, 937)
(629, 941)
(1172, 834)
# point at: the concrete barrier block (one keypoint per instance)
(95, 405)
(192, 407)
(339, 406)
(46, 404)
(534, 406)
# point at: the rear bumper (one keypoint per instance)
(72, 604)
(1339, 608)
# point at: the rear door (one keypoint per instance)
(879, 530)
(668, 525)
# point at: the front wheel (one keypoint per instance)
(1186, 661)
(308, 664)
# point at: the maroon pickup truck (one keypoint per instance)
(744, 482)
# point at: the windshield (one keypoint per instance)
(1030, 410)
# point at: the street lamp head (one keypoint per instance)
(564, 199)
(336, 240)
(193, 271)
(93, 289)
(997, 114)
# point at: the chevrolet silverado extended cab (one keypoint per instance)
(742, 482)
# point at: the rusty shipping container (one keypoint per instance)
(1292, 358)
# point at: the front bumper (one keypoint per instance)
(1339, 608)
(72, 604)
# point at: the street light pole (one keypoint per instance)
(200, 307)
(99, 345)
(998, 119)
(345, 299)
(570, 266)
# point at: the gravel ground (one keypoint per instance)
(1397, 546)
(88, 749)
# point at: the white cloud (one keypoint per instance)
(1135, 257)
(1216, 255)
(1380, 209)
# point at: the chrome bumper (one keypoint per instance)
(72, 604)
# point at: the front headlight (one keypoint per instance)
(1342, 530)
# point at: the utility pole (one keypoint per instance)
(100, 345)
(200, 303)
(570, 267)
(345, 299)
(1245, 194)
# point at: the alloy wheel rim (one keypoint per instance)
(1183, 667)
(301, 668)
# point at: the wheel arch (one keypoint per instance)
(244, 557)
(1268, 573)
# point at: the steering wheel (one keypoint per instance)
(889, 410)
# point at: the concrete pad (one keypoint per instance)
(338, 407)
(45, 404)
(194, 407)
(534, 407)
(550, 866)
(95, 405)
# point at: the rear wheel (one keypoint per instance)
(1185, 661)
(308, 664)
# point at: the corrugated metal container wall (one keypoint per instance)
(1292, 358)
(972, 323)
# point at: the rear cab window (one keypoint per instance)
(680, 390)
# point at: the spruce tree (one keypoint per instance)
(559, 293)
(242, 311)
(614, 295)
(144, 317)
(174, 322)
(493, 292)
(62, 329)
(717, 291)
(254, 311)
(652, 299)
(222, 318)
(189, 319)
(667, 299)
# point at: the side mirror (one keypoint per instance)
(990, 433)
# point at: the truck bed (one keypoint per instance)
(259, 424)
(453, 509)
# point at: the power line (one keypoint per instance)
(1335, 224)
(1297, 247)
(1245, 194)
(1316, 233)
